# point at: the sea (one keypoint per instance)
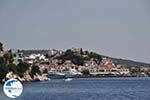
(86, 89)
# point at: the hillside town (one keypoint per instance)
(74, 63)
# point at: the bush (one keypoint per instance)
(35, 69)
(1, 60)
(85, 72)
(3, 71)
(22, 67)
(12, 68)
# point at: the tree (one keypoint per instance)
(86, 52)
(69, 52)
(47, 55)
(8, 57)
(12, 68)
(81, 51)
(1, 46)
(35, 69)
(1, 60)
(85, 72)
(3, 71)
(45, 71)
(95, 56)
(22, 67)
(135, 70)
(78, 60)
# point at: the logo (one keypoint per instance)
(12, 88)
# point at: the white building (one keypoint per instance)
(18, 57)
(109, 71)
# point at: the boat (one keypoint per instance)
(53, 74)
(68, 79)
(72, 73)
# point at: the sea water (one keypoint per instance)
(86, 89)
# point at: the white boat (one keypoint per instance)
(53, 74)
(68, 79)
(72, 73)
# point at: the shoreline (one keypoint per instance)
(83, 77)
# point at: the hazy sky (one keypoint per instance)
(117, 28)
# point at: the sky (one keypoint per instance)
(116, 28)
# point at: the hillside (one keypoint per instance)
(128, 62)
(125, 62)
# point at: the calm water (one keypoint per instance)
(87, 89)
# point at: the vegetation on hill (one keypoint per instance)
(78, 58)
(7, 65)
(125, 62)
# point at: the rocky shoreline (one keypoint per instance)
(26, 78)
